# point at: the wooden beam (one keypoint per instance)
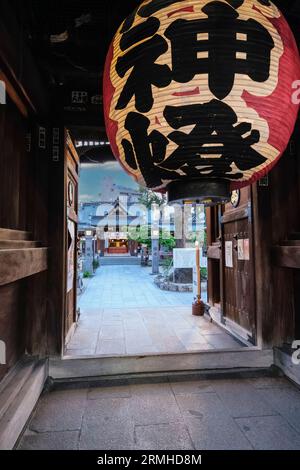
(232, 216)
(20, 263)
(286, 256)
(8, 234)
(11, 244)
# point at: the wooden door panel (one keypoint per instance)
(230, 276)
(71, 191)
(238, 292)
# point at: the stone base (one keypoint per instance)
(183, 276)
(164, 284)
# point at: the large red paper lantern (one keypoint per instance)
(198, 94)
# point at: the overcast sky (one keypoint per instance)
(98, 178)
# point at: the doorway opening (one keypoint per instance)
(135, 287)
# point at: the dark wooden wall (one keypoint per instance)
(23, 233)
(13, 167)
(13, 161)
(277, 218)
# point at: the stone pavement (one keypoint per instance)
(124, 313)
(234, 414)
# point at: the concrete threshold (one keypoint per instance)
(104, 367)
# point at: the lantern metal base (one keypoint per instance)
(202, 191)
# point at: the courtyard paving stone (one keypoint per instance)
(124, 313)
(187, 414)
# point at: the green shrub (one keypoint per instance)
(203, 274)
(96, 264)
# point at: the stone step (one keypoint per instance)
(120, 261)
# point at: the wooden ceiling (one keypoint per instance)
(70, 39)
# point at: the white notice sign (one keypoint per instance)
(186, 258)
(228, 255)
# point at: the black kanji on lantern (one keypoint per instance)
(221, 46)
(146, 150)
(215, 142)
(235, 3)
(156, 5)
(147, 10)
(141, 59)
(266, 3)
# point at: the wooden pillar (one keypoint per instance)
(56, 302)
(275, 216)
(37, 225)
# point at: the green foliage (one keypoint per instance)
(141, 236)
(203, 274)
(148, 197)
(144, 241)
(167, 240)
(144, 237)
(87, 275)
(96, 264)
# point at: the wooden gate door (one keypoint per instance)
(238, 293)
(71, 191)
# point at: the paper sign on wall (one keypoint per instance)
(246, 250)
(243, 250)
(228, 255)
